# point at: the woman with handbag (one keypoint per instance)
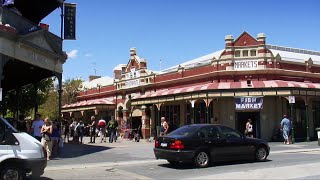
(46, 141)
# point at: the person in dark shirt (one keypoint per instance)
(21, 124)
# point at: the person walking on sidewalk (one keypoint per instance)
(112, 127)
(285, 127)
(102, 130)
(92, 127)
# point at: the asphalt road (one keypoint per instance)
(130, 160)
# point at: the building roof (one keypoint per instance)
(36, 10)
(295, 54)
(103, 81)
(200, 61)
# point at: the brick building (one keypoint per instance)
(246, 79)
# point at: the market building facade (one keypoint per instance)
(246, 79)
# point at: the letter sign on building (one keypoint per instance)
(246, 65)
(249, 103)
(69, 21)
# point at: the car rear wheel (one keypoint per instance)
(12, 173)
(202, 159)
(261, 154)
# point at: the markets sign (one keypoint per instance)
(249, 103)
(132, 83)
(246, 65)
(69, 21)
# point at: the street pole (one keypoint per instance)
(307, 123)
(62, 15)
(292, 120)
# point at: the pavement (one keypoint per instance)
(127, 152)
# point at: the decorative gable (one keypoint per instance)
(43, 40)
(245, 39)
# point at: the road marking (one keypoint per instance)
(294, 151)
(286, 172)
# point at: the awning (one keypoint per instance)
(229, 85)
(102, 101)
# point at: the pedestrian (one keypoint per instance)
(66, 130)
(21, 124)
(46, 140)
(36, 127)
(76, 132)
(164, 127)
(72, 128)
(92, 127)
(285, 127)
(80, 129)
(112, 127)
(55, 137)
(102, 129)
(249, 129)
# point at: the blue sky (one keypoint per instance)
(175, 31)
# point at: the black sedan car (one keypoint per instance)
(202, 144)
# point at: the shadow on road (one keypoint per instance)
(75, 150)
(184, 166)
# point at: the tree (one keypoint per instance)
(24, 99)
(71, 88)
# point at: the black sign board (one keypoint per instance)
(69, 21)
(249, 103)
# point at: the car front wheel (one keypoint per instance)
(202, 159)
(261, 154)
(12, 173)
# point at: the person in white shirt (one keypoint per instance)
(36, 127)
(249, 128)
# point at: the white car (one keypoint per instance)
(20, 153)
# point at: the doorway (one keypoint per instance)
(242, 118)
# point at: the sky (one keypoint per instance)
(175, 31)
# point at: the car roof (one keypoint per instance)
(203, 125)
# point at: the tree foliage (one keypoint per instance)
(50, 108)
(26, 98)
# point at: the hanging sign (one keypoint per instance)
(292, 99)
(248, 103)
(69, 21)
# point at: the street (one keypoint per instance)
(130, 160)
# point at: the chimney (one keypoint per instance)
(261, 38)
(92, 77)
(229, 40)
(229, 50)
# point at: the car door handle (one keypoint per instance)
(208, 142)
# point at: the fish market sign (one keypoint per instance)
(246, 65)
(249, 103)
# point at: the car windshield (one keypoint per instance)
(7, 124)
(183, 131)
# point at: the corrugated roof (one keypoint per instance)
(294, 54)
(103, 81)
(203, 60)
